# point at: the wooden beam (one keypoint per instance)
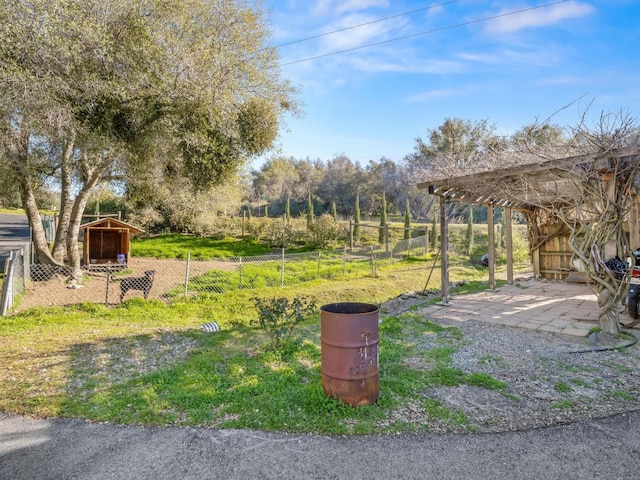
(492, 248)
(516, 171)
(444, 249)
(87, 239)
(509, 239)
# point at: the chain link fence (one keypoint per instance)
(15, 278)
(173, 279)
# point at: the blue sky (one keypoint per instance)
(477, 60)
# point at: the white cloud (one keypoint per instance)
(407, 64)
(538, 18)
(355, 5)
(324, 7)
(433, 95)
(356, 37)
(541, 57)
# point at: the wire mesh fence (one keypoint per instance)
(173, 279)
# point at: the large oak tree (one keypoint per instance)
(97, 90)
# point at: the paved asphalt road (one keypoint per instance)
(14, 232)
(70, 449)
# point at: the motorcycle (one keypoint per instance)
(633, 296)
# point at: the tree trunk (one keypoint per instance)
(609, 317)
(92, 174)
(66, 203)
(20, 161)
(38, 236)
(73, 255)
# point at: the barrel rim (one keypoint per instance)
(368, 308)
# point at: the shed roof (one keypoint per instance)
(527, 185)
(111, 223)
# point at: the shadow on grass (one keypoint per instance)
(230, 379)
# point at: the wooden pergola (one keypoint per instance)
(510, 188)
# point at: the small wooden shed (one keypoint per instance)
(107, 240)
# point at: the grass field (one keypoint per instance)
(176, 245)
(148, 362)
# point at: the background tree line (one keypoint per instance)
(283, 185)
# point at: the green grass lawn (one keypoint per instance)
(147, 362)
(176, 245)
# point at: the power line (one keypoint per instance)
(365, 24)
(449, 27)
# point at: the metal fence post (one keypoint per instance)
(282, 273)
(186, 274)
(7, 290)
(25, 268)
(106, 296)
(318, 265)
(240, 272)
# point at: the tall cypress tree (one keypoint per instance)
(407, 221)
(334, 211)
(383, 219)
(470, 231)
(356, 219)
(310, 215)
(287, 209)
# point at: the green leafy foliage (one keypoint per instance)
(280, 316)
(325, 231)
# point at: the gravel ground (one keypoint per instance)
(550, 379)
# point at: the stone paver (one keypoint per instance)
(559, 307)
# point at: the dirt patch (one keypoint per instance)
(536, 378)
(169, 281)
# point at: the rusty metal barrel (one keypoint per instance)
(349, 341)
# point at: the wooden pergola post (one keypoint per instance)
(492, 247)
(87, 246)
(509, 239)
(444, 249)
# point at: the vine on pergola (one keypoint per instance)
(577, 182)
(595, 219)
(595, 209)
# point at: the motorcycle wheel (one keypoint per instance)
(632, 306)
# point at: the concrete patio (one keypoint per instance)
(550, 306)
